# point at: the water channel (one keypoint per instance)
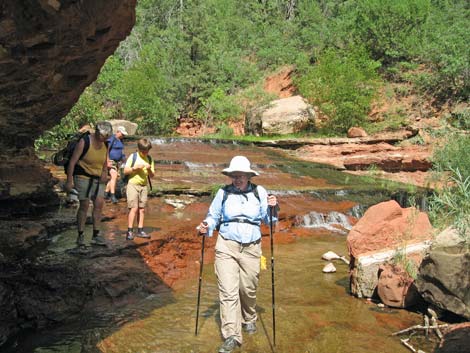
(314, 310)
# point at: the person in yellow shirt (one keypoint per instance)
(87, 173)
(139, 168)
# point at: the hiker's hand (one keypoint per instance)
(202, 228)
(272, 200)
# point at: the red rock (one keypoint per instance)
(356, 132)
(388, 226)
(395, 287)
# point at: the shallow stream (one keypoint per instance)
(314, 311)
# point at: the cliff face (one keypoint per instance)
(50, 50)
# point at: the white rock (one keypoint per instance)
(329, 268)
(330, 255)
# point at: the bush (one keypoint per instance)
(146, 97)
(452, 156)
(445, 49)
(343, 85)
(390, 29)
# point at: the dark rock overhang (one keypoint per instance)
(50, 51)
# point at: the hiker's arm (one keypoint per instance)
(77, 152)
(127, 168)
(104, 171)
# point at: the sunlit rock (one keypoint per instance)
(386, 231)
(280, 117)
(329, 268)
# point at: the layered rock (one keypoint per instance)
(49, 52)
(386, 231)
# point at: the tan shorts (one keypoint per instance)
(136, 195)
(88, 188)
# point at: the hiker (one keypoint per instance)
(116, 158)
(238, 209)
(87, 173)
(139, 168)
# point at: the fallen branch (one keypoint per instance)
(408, 345)
(438, 332)
(419, 327)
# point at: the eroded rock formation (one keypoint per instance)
(49, 52)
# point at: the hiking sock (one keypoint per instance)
(140, 230)
(130, 229)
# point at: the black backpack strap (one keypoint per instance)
(86, 147)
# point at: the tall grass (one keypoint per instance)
(450, 205)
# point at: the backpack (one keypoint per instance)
(125, 178)
(62, 157)
(226, 191)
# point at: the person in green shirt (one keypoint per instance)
(139, 169)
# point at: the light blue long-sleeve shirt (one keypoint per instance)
(244, 206)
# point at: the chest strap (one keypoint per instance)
(241, 220)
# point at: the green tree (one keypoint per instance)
(342, 84)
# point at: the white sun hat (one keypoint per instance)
(122, 130)
(239, 164)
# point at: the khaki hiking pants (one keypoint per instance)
(237, 268)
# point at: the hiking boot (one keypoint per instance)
(229, 345)
(142, 234)
(98, 240)
(249, 328)
(107, 195)
(80, 240)
(114, 199)
(129, 235)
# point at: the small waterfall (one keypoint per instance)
(357, 211)
(333, 221)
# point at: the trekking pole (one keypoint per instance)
(272, 272)
(200, 282)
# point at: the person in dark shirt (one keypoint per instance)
(116, 158)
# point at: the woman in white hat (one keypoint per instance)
(237, 211)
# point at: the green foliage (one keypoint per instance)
(218, 106)
(445, 48)
(208, 58)
(453, 155)
(342, 84)
(451, 204)
(390, 29)
(86, 111)
(461, 119)
(401, 260)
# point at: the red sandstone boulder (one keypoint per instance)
(385, 231)
(388, 226)
(395, 287)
